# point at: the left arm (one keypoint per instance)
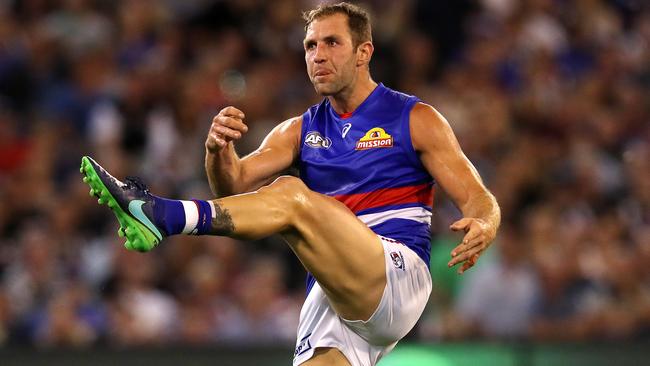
(442, 156)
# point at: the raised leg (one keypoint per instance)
(342, 253)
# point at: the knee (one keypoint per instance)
(289, 191)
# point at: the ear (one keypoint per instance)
(364, 53)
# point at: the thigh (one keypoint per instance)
(342, 253)
(326, 356)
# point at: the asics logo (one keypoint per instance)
(135, 207)
(346, 128)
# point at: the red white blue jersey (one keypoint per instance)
(366, 160)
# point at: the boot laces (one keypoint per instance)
(136, 182)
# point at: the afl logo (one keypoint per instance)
(314, 139)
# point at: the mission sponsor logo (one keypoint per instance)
(315, 139)
(375, 138)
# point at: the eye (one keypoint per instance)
(310, 45)
(332, 43)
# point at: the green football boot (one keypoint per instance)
(130, 201)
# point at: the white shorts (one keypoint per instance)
(408, 285)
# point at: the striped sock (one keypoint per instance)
(182, 217)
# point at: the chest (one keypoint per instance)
(354, 142)
(339, 156)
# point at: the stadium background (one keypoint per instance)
(549, 98)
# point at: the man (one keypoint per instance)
(359, 216)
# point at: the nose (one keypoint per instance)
(320, 55)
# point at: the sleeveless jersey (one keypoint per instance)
(366, 160)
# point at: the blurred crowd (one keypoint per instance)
(550, 99)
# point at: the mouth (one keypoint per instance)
(321, 73)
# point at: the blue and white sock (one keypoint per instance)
(183, 217)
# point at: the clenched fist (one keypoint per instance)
(226, 126)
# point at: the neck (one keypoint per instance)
(348, 100)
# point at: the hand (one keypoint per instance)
(226, 126)
(478, 236)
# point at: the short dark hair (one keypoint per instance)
(358, 19)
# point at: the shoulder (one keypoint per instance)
(398, 95)
(285, 135)
(427, 126)
(423, 112)
(289, 126)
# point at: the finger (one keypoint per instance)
(472, 239)
(232, 122)
(215, 140)
(465, 257)
(222, 129)
(232, 112)
(461, 224)
(477, 240)
(469, 264)
(226, 132)
(221, 142)
(213, 145)
(461, 257)
(210, 144)
(472, 234)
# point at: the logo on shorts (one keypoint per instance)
(398, 259)
(303, 346)
(315, 139)
(375, 137)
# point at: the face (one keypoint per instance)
(331, 59)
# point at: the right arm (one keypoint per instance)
(227, 173)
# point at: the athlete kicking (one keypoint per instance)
(359, 216)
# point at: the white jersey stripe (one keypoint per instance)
(418, 214)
